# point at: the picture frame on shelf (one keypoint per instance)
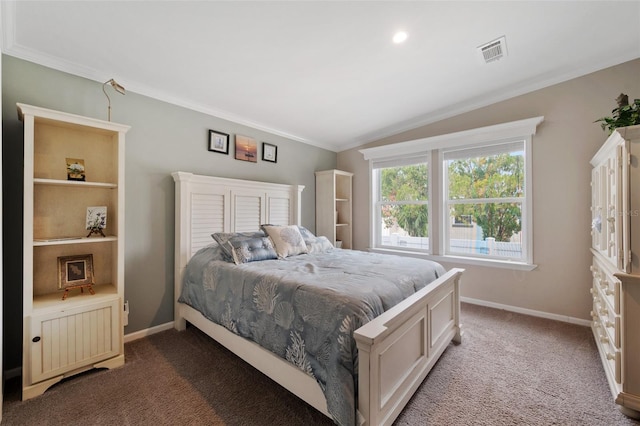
(269, 152)
(75, 272)
(246, 149)
(218, 142)
(96, 220)
(75, 169)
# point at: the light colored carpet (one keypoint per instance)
(510, 369)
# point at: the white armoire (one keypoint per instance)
(615, 245)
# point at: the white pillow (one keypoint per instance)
(318, 245)
(287, 240)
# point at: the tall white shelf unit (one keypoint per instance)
(334, 200)
(615, 209)
(65, 337)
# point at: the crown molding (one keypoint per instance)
(12, 48)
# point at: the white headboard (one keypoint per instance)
(207, 204)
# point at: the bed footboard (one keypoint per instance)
(398, 349)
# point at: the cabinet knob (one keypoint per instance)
(36, 339)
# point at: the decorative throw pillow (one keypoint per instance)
(251, 250)
(223, 238)
(287, 240)
(306, 234)
(318, 245)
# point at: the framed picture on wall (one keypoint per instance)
(218, 142)
(269, 152)
(246, 149)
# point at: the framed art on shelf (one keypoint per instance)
(75, 169)
(246, 149)
(96, 220)
(269, 152)
(75, 272)
(218, 142)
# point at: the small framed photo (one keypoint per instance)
(75, 169)
(75, 271)
(246, 149)
(96, 217)
(269, 152)
(218, 142)
(96, 220)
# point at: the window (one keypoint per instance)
(402, 204)
(485, 191)
(469, 190)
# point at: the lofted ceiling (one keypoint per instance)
(326, 73)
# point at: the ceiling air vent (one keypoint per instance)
(494, 50)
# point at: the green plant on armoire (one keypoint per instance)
(624, 115)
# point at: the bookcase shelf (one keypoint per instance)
(50, 302)
(71, 183)
(72, 240)
(334, 207)
(56, 331)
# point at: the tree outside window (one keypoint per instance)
(490, 190)
(403, 206)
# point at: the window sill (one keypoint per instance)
(461, 260)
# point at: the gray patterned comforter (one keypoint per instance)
(305, 308)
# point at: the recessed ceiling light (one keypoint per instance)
(400, 37)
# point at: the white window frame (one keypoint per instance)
(486, 150)
(376, 218)
(522, 130)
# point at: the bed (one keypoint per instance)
(395, 349)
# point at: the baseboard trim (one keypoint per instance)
(531, 312)
(147, 332)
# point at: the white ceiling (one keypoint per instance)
(324, 73)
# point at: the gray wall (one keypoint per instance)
(562, 148)
(163, 138)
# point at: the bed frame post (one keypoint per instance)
(182, 244)
(397, 349)
(296, 204)
(457, 338)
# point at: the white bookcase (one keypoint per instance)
(66, 337)
(334, 201)
(615, 246)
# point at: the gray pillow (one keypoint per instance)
(222, 238)
(251, 250)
